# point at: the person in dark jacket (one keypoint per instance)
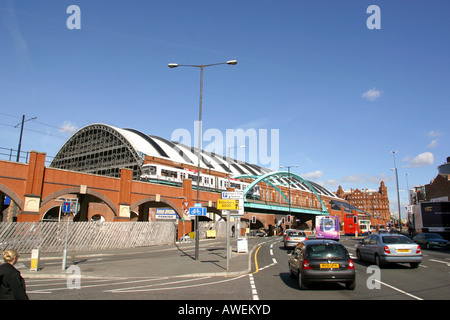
(12, 285)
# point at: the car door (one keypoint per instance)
(364, 248)
(373, 247)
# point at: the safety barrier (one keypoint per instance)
(51, 236)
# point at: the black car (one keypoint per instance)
(431, 240)
(315, 261)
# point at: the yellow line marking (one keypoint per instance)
(256, 261)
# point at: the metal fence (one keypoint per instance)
(51, 236)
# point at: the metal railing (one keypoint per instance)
(51, 236)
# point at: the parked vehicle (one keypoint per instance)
(389, 248)
(431, 240)
(294, 237)
(258, 233)
(319, 261)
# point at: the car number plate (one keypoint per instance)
(329, 265)
(403, 250)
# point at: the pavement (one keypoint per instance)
(165, 261)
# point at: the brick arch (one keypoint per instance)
(14, 197)
(76, 190)
(153, 199)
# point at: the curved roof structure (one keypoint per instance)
(104, 149)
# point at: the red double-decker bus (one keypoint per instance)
(351, 224)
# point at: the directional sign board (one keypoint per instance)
(226, 204)
(235, 195)
(197, 211)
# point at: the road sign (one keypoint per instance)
(225, 204)
(162, 213)
(232, 194)
(66, 207)
(197, 211)
(235, 195)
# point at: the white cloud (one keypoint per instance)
(372, 94)
(357, 180)
(423, 159)
(433, 134)
(68, 127)
(433, 144)
(312, 175)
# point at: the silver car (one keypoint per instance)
(294, 237)
(387, 248)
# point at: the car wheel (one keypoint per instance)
(414, 265)
(301, 283)
(378, 261)
(358, 255)
(350, 285)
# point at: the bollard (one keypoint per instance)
(34, 260)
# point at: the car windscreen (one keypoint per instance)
(326, 251)
(296, 234)
(396, 240)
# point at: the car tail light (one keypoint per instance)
(287, 238)
(306, 265)
(386, 249)
(419, 250)
(306, 238)
(351, 265)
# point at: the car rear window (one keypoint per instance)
(325, 251)
(296, 234)
(396, 240)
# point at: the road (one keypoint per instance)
(268, 280)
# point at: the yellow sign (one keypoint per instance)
(225, 204)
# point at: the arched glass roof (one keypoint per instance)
(104, 149)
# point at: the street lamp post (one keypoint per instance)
(175, 65)
(398, 193)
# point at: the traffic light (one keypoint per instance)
(283, 220)
(253, 219)
(289, 219)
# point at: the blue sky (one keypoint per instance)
(342, 96)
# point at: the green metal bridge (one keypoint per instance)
(275, 207)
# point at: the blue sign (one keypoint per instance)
(66, 207)
(197, 211)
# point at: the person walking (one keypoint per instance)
(12, 285)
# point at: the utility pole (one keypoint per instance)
(21, 133)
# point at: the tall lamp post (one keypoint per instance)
(398, 193)
(202, 66)
(289, 183)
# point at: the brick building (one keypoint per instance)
(437, 189)
(372, 202)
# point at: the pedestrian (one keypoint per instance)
(12, 285)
